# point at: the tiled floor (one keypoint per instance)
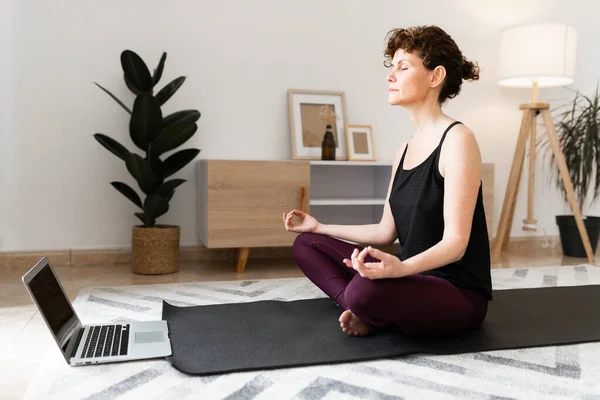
(23, 334)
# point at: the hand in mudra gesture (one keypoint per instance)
(387, 266)
(307, 224)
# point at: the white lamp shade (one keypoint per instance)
(542, 53)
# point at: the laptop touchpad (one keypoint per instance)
(149, 337)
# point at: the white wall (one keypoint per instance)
(7, 118)
(240, 58)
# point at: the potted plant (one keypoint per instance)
(155, 247)
(578, 130)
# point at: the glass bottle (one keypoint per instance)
(328, 145)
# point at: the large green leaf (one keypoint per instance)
(173, 136)
(165, 93)
(140, 170)
(146, 120)
(154, 207)
(159, 70)
(112, 145)
(132, 88)
(142, 217)
(114, 98)
(128, 192)
(136, 71)
(180, 116)
(154, 162)
(177, 161)
(167, 188)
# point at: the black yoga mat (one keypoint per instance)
(274, 334)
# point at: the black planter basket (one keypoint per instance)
(571, 239)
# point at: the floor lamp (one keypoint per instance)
(534, 56)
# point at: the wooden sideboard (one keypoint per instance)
(240, 202)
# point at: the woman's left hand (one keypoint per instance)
(389, 265)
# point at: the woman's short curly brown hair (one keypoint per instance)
(435, 47)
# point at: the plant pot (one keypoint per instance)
(571, 239)
(155, 250)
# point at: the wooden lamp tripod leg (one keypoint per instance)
(511, 211)
(564, 173)
(508, 206)
(529, 223)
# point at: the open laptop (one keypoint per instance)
(96, 343)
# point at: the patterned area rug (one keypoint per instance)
(556, 372)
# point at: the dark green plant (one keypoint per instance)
(154, 135)
(578, 131)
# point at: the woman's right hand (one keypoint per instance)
(308, 223)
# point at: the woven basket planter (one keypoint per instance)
(155, 250)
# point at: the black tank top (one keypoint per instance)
(416, 202)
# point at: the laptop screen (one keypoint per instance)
(54, 305)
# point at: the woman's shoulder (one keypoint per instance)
(460, 146)
(462, 130)
(460, 137)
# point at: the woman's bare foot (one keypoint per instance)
(353, 325)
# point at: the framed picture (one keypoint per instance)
(360, 143)
(310, 111)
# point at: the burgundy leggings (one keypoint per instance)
(418, 305)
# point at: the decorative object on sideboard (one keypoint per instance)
(328, 145)
(532, 56)
(578, 126)
(310, 111)
(155, 247)
(360, 143)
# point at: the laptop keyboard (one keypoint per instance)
(106, 341)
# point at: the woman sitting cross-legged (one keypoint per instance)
(439, 283)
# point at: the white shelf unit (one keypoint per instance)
(348, 192)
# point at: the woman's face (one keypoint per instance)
(409, 80)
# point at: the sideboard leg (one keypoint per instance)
(242, 258)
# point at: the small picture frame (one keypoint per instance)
(360, 143)
(310, 111)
